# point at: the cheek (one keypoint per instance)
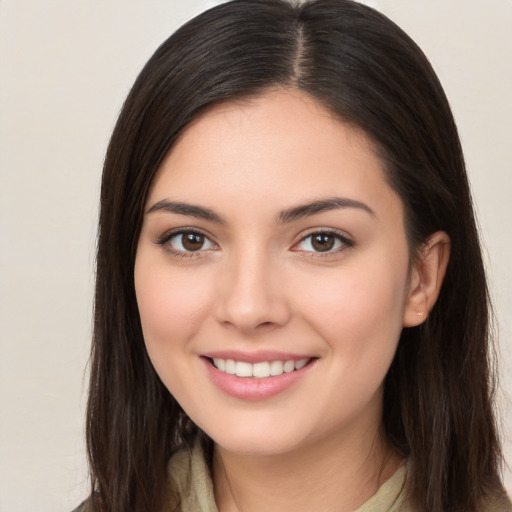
(170, 306)
(359, 313)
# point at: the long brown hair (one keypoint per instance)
(438, 393)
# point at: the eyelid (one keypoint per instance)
(164, 240)
(346, 241)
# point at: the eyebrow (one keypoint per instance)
(323, 205)
(186, 209)
(288, 215)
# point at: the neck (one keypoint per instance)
(337, 474)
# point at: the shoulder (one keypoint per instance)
(190, 483)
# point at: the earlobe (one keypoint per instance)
(426, 278)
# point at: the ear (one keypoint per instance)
(426, 278)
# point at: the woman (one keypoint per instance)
(291, 307)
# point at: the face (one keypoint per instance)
(272, 275)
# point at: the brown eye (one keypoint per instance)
(322, 242)
(189, 241)
(192, 241)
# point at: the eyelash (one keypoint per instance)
(344, 242)
(342, 239)
(165, 240)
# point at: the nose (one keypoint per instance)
(251, 295)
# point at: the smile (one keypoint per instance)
(259, 376)
(258, 370)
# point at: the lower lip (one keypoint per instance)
(247, 388)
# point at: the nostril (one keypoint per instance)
(265, 325)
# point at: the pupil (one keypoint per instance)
(193, 241)
(323, 242)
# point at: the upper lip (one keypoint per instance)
(256, 357)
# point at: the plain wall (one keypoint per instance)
(65, 68)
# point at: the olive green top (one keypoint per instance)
(192, 488)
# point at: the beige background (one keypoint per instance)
(65, 68)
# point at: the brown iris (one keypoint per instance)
(322, 242)
(192, 241)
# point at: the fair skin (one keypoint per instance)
(272, 235)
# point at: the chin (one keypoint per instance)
(256, 446)
(259, 440)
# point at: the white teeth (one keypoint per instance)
(220, 363)
(230, 366)
(301, 363)
(261, 370)
(258, 370)
(276, 368)
(243, 369)
(289, 366)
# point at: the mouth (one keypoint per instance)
(257, 376)
(261, 369)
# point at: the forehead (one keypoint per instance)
(284, 146)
